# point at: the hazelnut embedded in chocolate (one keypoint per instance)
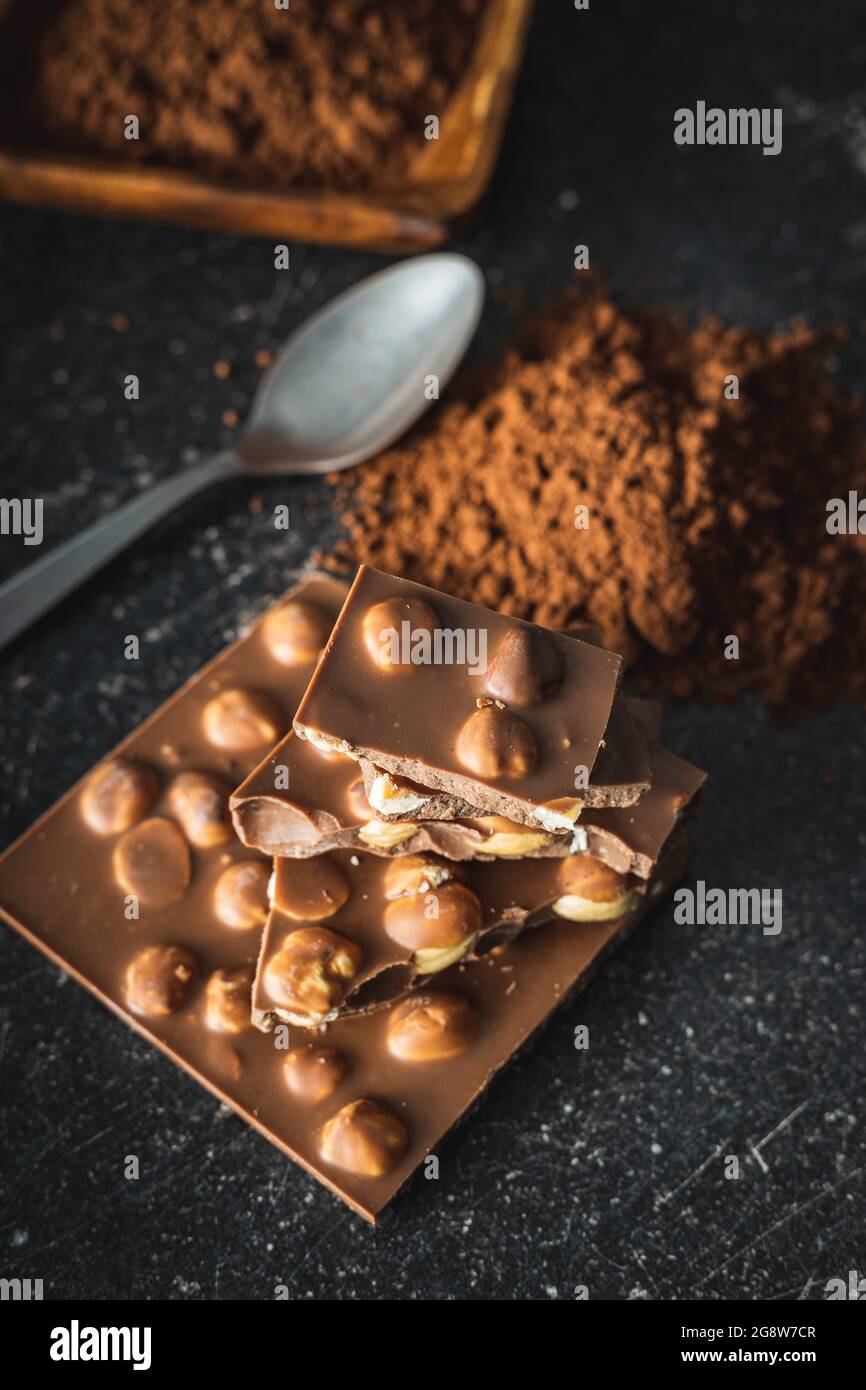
(417, 873)
(241, 721)
(201, 803)
(158, 980)
(381, 835)
(312, 1073)
(152, 862)
(430, 1026)
(396, 796)
(296, 632)
(438, 927)
(240, 897)
(117, 795)
(505, 839)
(309, 976)
(364, 1138)
(591, 891)
(309, 890)
(394, 633)
(495, 743)
(227, 998)
(527, 667)
(563, 809)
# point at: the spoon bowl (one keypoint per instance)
(357, 374)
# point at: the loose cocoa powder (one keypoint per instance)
(706, 516)
(325, 94)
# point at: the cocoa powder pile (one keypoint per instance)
(325, 94)
(706, 516)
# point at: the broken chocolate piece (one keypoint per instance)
(325, 809)
(428, 726)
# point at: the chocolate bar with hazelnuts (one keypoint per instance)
(135, 884)
(302, 802)
(621, 774)
(350, 933)
(627, 838)
(507, 717)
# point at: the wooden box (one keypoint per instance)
(444, 182)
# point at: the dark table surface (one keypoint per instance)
(605, 1168)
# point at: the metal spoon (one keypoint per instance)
(349, 382)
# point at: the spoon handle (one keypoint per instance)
(26, 596)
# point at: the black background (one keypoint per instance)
(603, 1169)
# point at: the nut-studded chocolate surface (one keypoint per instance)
(402, 922)
(325, 807)
(179, 972)
(435, 722)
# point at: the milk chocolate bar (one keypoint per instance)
(348, 933)
(324, 807)
(627, 838)
(301, 800)
(361, 1104)
(503, 714)
(621, 773)
(135, 885)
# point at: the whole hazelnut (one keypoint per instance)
(591, 891)
(493, 742)
(392, 630)
(417, 873)
(311, 973)
(201, 803)
(309, 890)
(430, 1026)
(241, 721)
(444, 918)
(527, 667)
(117, 795)
(364, 1138)
(313, 1073)
(151, 861)
(295, 632)
(241, 894)
(227, 997)
(158, 980)
(591, 878)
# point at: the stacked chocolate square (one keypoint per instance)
(465, 814)
(453, 777)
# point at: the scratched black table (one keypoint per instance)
(605, 1168)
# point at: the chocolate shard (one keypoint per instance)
(423, 715)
